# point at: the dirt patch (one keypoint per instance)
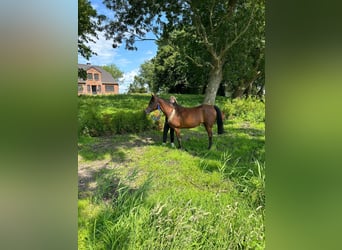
(87, 174)
(108, 153)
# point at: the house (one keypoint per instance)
(98, 82)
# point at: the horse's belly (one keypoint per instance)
(188, 125)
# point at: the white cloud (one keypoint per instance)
(103, 48)
(127, 79)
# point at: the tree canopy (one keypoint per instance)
(208, 46)
(145, 80)
(113, 70)
(215, 26)
(89, 23)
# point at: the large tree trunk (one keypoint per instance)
(239, 90)
(215, 78)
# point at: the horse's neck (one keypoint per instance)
(167, 108)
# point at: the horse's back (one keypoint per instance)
(189, 117)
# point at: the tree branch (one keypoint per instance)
(141, 38)
(224, 51)
(194, 61)
(186, 55)
(202, 33)
(231, 7)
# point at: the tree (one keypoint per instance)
(244, 71)
(217, 25)
(170, 70)
(144, 80)
(250, 74)
(175, 70)
(88, 25)
(113, 70)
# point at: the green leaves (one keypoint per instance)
(145, 80)
(88, 25)
(113, 70)
(197, 39)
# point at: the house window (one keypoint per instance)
(96, 77)
(90, 76)
(88, 88)
(99, 88)
(109, 88)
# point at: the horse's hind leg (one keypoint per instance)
(210, 134)
(179, 139)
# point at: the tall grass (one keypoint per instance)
(109, 115)
(174, 209)
(120, 114)
(157, 197)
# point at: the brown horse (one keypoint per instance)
(180, 117)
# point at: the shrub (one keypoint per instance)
(249, 109)
(94, 123)
(109, 115)
(89, 122)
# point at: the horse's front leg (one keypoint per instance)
(179, 139)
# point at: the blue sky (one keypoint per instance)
(126, 60)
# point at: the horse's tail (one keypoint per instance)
(219, 120)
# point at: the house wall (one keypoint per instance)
(114, 89)
(95, 86)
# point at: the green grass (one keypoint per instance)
(151, 196)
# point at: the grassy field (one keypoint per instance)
(135, 193)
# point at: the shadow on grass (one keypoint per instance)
(122, 205)
(100, 148)
(112, 189)
(98, 154)
(236, 147)
(239, 155)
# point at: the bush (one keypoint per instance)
(89, 122)
(109, 115)
(249, 109)
(120, 122)
(119, 114)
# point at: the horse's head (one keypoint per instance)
(152, 105)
